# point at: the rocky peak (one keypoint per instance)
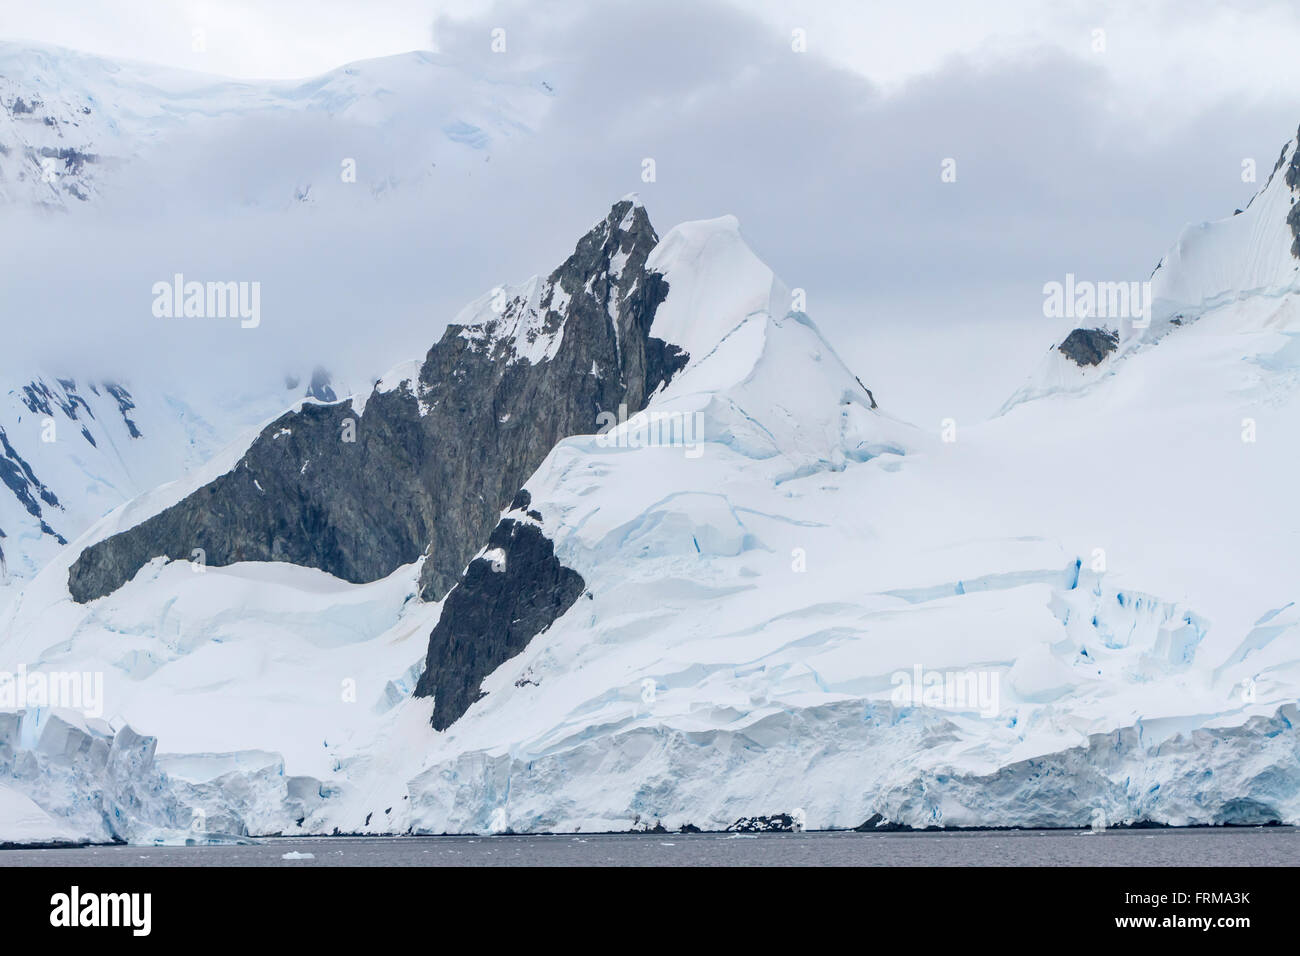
(1293, 182)
(425, 464)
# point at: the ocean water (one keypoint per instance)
(1263, 846)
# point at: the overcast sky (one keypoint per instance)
(1085, 135)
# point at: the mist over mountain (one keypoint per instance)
(662, 429)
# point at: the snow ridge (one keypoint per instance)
(770, 567)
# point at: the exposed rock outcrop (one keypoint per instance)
(1085, 347)
(509, 594)
(321, 386)
(1293, 181)
(426, 465)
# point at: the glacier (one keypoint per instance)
(1112, 552)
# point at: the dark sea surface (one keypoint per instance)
(1263, 846)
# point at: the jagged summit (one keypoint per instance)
(525, 323)
(758, 383)
(694, 326)
(321, 386)
(424, 465)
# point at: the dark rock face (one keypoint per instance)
(777, 823)
(320, 388)
(510, 594)
(42, 399)
(1293, 180)
(124, 405)
(426, 468)
(878, 824)
(17, 475)
(868, 391)
(1089, 346)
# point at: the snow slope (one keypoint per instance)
(1107, 567)
(112, 142)
(75, 450)
(1246, 260)
(1246, 255)
(72, 450)
(26, 823)
(77, 130)
(1113, 561)
(772, 689)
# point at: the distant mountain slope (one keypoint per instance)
(72, 450)
(75, 127)
(1251, 257)
(110, 141)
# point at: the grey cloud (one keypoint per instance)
(836, 185)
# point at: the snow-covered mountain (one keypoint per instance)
(426, 462)
(1080, 610)
(1252, 256)
(747, 591)
(113, 141)
(77, 130)
(72, 450)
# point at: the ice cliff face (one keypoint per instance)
(67, 779)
